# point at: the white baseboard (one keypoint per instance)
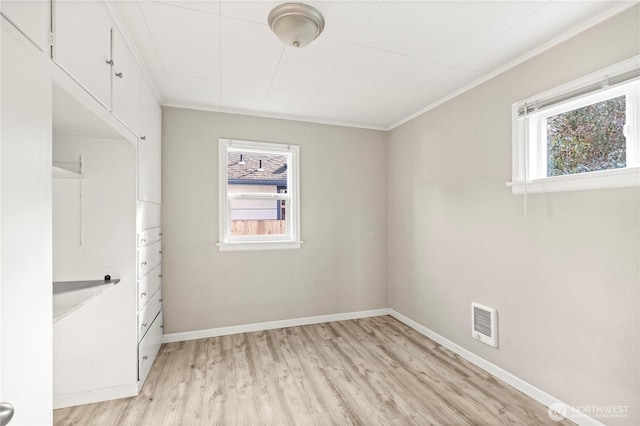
(88, 397)
(524, 387)
(247, 328)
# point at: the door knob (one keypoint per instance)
(6, 413)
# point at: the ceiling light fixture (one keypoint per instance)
(296, 24)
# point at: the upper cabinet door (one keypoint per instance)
(82, 45)
(126, 84)
(32, 17)
(149, 147)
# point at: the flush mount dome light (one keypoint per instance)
(296, 24)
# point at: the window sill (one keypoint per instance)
(618, 178)
(259, 245)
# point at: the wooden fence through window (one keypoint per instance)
(258, 227)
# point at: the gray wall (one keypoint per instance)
(341, 266)
(564, 277)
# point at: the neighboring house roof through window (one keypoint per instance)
(261, 169)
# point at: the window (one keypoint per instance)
(259, 195)
(583, 135)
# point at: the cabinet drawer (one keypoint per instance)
(149, 236)
(148, 349)
(148, 285)
(148, 313)
(149, 257)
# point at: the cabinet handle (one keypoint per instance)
(160, 276)
(146, 357)
(161, 325)
(160, 252)
(119, 74)
(143, 294)
(160, 234)
(160, 300)
(110, 62)
(144, 324)
(144, 138)
(142, 241)
(143, 264)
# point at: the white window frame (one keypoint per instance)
(529, 138)
(289, 240)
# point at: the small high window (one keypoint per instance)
(259, 195)
(583, 135)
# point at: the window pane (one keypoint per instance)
(587, 139)
(256, 173)
(257, 217)
(254, 168)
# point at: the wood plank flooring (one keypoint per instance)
(360, 372)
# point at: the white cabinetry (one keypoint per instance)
(148, 348)
(149, 258)
(25, 196)
(95, 347)
(126, 84)
(33, 18)
(149, 283)
(149, 147)
(97, 70)
(82, 45)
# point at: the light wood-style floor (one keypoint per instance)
(368, 371)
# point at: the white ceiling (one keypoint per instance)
(376, 63)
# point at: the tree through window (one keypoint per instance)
(587, 139)
(584, 134)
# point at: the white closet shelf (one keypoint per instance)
(69, 296)
(60, 172)
(68, 170)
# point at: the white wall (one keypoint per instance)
(564, 277)
(341, 266)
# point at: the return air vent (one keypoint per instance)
(484, 324)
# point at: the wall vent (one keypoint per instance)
(484, 324)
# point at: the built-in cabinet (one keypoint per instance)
(25, 224)
(82, 45)
(96, 66)
(92, 51)
(125, 77)
(149, 149)
(32, 18)
(90, 242)
(149, 286)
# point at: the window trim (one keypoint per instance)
(529, 139)
(290, 240)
